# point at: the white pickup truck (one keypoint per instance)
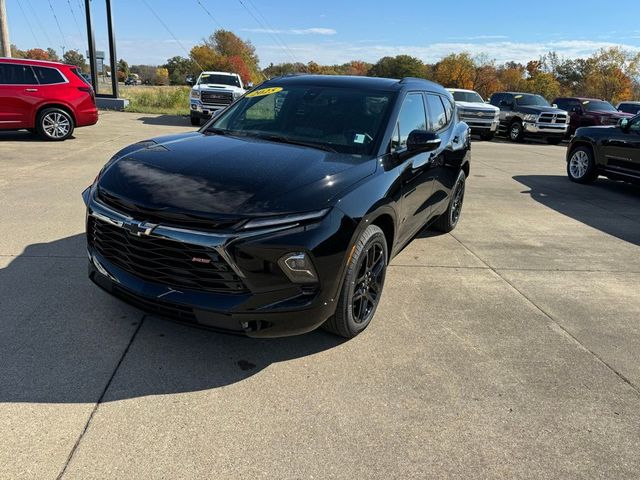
(213, 91)
(481, 117)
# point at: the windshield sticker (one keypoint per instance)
(264, 91)
(359, 138)
(519, 96)
(585, 102)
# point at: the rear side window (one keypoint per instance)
(12, 74)
(437, 113)
(77, 73)
(412, 117)
(48, 76)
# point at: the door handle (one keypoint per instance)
(30, 89)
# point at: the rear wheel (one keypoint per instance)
(55, 124)
(581, 167)
(195, 121)
(516, 132)
(449, 219)
(362, 287)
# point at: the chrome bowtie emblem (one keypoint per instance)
(480, 114)
(138, 228)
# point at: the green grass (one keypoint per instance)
(167, 100)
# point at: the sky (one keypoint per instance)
(333, 31)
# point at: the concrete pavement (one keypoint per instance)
(508, 349)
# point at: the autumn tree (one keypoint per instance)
(74, 57)
(399, 66)
(456, 71)
(179, 69)
(36, 54)
(53, 55)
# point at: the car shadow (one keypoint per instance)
(168, 120)
(23, 136)
(64, 340)
(609, 206)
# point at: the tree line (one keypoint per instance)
(612, 74)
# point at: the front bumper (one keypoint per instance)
(270, 306)
(546, 129)
(204, 111)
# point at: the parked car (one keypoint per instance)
(132, 80)
(49, 98)
(528, 115)
(283, 213)
(629, 107)
(612, 151)
(482, 117)
(585, 112)
(214, 91)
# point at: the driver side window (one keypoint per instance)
(412, 117)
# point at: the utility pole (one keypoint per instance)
(5, 46)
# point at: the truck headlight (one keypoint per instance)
(236, 95)
(530, 117)
(195, 94)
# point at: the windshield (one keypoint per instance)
(471, 97)
(531, 100)
(208, 78)
(341, 119)
(598, 106)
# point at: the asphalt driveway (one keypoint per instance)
(508, 349)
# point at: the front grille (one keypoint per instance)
(487, 114)
(216, 98)
(552, 118)
(156, 306)
(610, 121)
(163, 261)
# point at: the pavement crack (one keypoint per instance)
(102, 395)
(620, 375)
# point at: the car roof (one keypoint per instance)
(582, 99)
(461, 90)
(354, 81)
(29, 61)
(220, 73)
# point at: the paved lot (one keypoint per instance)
(510, 349)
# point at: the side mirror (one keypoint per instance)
(576, 110)
(189, 80)
(422, 141)
(624, 124)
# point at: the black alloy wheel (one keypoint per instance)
(449, 219)
(363, 283)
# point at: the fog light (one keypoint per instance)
(298, 267)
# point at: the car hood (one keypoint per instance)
(539, 109)
(607, 113)
(205, 175)
(477, 106)
(215, 86)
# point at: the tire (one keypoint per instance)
(449, 219)
(487, 136)
(516, 131)
(362, 287)
(554, 140)
(195, 121)
(55, 124)
(581, 167)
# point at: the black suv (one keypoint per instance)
(612, 151)
(280, 214)
(528, 115)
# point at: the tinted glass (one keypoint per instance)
(78, 74)
(528, 99)
(471, 97)
(562, 103)
(412, 117)
(437, 114)
(47, 76)
(629, 108)
(208, 79)
(597, 106)
(496, 99)
(344, 119)
(11, 74)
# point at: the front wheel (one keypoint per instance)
(55, 124)
(581, 167)
(449, 219)
(362, 287)
(516, 132)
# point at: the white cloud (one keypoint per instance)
(501, 51)
(293, 31)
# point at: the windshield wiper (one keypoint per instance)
(291, 141)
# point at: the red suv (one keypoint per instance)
(46, 97)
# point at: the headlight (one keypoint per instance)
(195, 93)
(530, 117)
(284, 219)
(237, 94)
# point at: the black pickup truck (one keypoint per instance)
(528, 115)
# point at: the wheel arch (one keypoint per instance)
(581, 143)
(61, 106)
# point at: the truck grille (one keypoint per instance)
(477, 114)
(552, 118)
(163, 261)
(216, 98)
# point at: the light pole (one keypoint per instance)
(5, 45)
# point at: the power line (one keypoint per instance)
(271, 32)
(166, 27)
(64, 40)
(75, 20)
(209, 14)
(42, 29)
(35, 37)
